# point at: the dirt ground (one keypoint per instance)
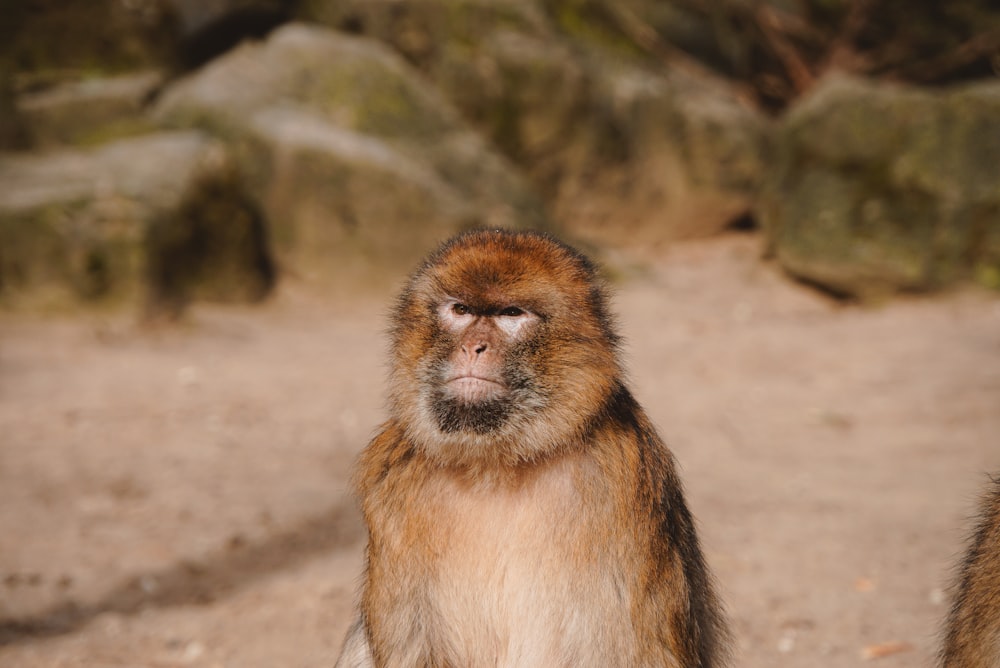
(177, 496)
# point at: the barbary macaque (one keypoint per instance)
(522, 511)
(972, 631)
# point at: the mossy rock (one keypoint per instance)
(384, 166)
(356, 83)
(348, 204)
(89, 112)
(153, 221)
(878, 188)
(674, 156)
(419, 29)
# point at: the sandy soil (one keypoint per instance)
(177, 497)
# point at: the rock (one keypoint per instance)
(609, 137)
(526, 92)
(499, 63)
(384, 155)
(419, 28)
(679, 156)
(156, 220)
(354, 83)
(878, 188)
(349, 201)
(88, 111)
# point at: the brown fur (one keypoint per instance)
(557, 537)
(972, 636)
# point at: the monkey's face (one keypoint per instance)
(482, 374)
(502, 348)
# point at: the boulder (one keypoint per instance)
(349, 202)
(420, 29)
(156, 220)
(499, 63)
(878, 188)
(672, 156)
(526, 92)
(88, 111)
(355, 83)
(608, 135)
(339, 132)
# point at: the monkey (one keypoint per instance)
(521, 509)
(972, 629)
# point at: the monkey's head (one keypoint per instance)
(502, 349)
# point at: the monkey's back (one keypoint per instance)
(973, 631)
(587, 558)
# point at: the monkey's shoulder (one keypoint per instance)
(648, 478)
(387, 451)
(623, 430)
(659, 507)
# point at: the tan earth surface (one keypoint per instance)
(177, 496)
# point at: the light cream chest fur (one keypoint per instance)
(516, 577)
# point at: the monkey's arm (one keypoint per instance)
(356, 652)
(382, 452)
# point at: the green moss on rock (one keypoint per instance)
(881, 188)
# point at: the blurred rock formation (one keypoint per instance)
(153, 221)
(357, 162)
(357, 133)
(877, 188)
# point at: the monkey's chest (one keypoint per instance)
(515, 580)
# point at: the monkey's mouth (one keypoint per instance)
(470, 404)
(473, 389)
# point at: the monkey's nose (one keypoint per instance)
(473, 349)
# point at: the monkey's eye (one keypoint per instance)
(460, 309)
(512, 312)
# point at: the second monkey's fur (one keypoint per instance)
(972, 631)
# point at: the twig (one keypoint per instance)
(983, 44)
(841, 53)
(770, 25)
